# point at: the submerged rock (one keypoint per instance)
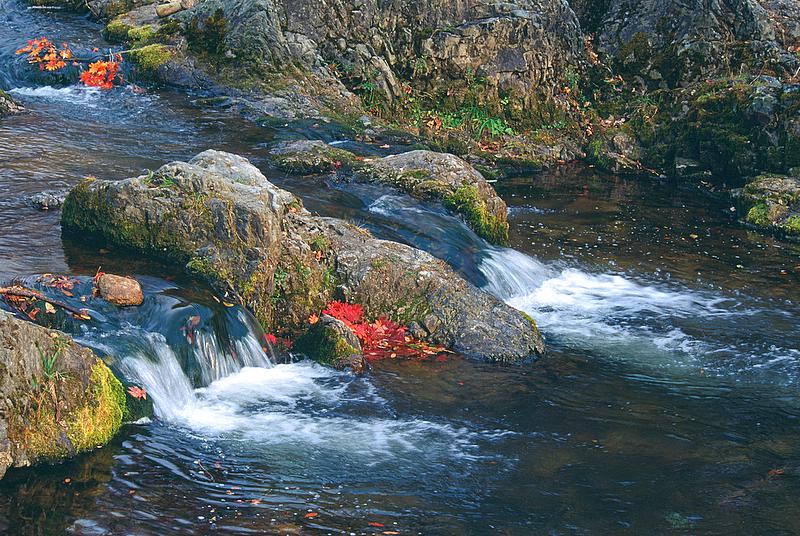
(426, 175)
(121, 291)
(774, 202)
(48, 200)
(257, 245)
(57, 399)
(7, 105)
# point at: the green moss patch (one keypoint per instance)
(151, 57)
(467, 202)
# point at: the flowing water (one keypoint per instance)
(667, 403)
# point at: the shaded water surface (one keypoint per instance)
(667, 403)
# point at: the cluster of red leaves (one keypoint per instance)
(281, 343)
(46, 54)
(49, 57)
(62, 282)
(101, 74)
(383, 338)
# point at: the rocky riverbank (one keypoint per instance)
(706, 94)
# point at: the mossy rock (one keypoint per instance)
(117, 31)
(330, 342)
(774, 203)
(426, 175)
(150, 58)
(306, 156)
(63, 400)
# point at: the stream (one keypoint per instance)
(667, 403)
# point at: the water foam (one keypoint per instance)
(610, 314)
(81, 95)
(299, 405)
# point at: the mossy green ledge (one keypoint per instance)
(426, 175)
(258, 246)
(773, 202)
(50, 412)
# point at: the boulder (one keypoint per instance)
(57, 399)
(427, 175)
(331, 342)
(774, 202)
(7, 105)
(121, 291)
(256, 244)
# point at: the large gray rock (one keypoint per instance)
(443, 47)
(256, 244)
(669, 42)
(57, 399)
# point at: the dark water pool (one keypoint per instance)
(667, 403)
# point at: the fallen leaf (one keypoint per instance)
(137, 392)
(48, 308)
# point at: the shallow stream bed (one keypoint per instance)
(667, 403)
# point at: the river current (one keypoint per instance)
(667, 402)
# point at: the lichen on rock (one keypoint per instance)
(58, 398)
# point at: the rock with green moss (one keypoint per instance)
(774, 202)
(448, 179)
(150, 58)
(257, 245)
(7, 105)
(311, 156)
(331, 342)
(57, 399)
(427, 175)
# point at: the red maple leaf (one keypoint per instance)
(139, 393)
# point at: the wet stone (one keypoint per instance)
(121, 291)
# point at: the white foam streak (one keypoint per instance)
(285, 406)
(608, 313)
(85, 96)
